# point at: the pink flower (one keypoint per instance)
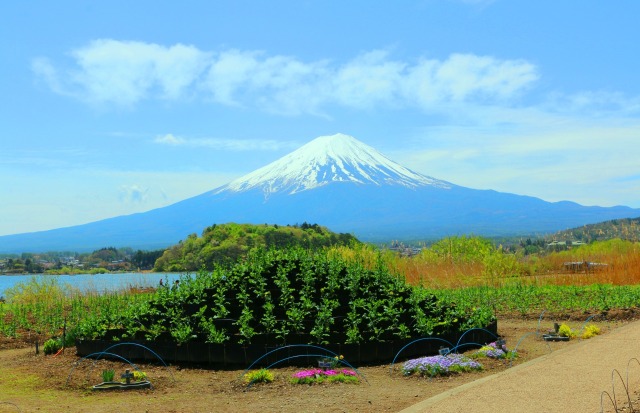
(303, 374)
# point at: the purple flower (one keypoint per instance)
(440, 365)
(492, 350)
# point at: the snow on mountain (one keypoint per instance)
(326, 159)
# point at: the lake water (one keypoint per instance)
(96, 282)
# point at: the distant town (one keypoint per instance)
(100, 261)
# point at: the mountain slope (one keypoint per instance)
(337, 182)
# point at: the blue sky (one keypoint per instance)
(111, 108)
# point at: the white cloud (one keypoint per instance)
(597, 103)
(133, 194)
(237, 145)
(369, 79)
(169, 139)
(45, 71)
(468, 78)
(125, 73)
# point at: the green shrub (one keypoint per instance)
(108, 375)
(590, 330)
(566, 331)
(139, 375)
(258, 376)
(51, 346)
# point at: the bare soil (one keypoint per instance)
(30, 382)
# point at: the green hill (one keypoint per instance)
(625, 229)
(225, 243)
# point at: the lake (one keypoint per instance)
(96, 282)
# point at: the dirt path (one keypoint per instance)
(31, 383)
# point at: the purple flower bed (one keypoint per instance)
(440, 365)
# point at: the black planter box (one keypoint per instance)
(234, 354)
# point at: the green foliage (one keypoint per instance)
(495, 262)
(590, 330)
(37, 289)
(289, 294)
(461, 249)
(327, 293)
(145, 260)
(51, 346)
(566, 331)
(108, 375)
(612, 247)
(317, 376)
(182, 332)
(533, 299)
(212, 333)
(139, 375)
(625, 229)
(66, 262)
(258, 376)
(226, 243)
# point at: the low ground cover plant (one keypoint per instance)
(316, 376)
(566, 331)
(494, 350)
(440, 365)
(259, 376)
(590, 330)
(108, 375)
(139, 375)
(52, 346)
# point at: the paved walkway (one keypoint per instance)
(567, 380)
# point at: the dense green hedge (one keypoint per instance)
(288, 296)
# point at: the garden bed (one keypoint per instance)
(280, 298)
(222, 355)
(39, 383)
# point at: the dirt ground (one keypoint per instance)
(38, 383)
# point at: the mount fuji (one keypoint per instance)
(338, 182)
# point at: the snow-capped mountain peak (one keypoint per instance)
(328, 159)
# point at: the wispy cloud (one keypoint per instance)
(170, 139)
(597, 103)
(238, 145)
(133, 193)
(57, 158)
(125, 73)
(547, 155)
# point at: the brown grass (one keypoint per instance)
(622, 261)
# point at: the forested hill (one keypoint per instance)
(626, 229)
(226, 243)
